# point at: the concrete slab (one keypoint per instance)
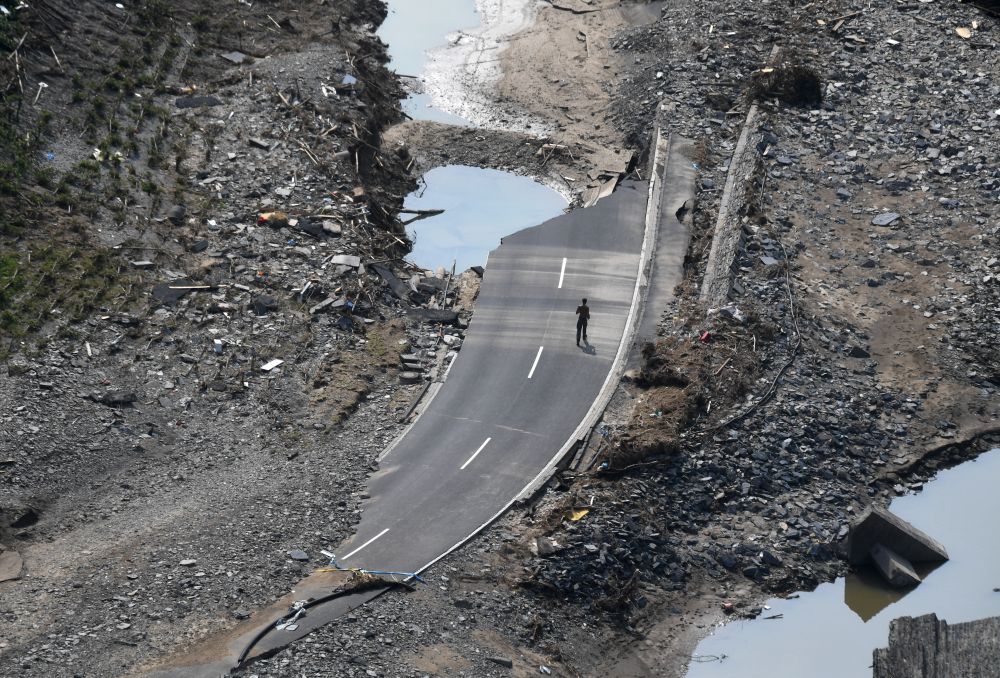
(896, 569)
(10, 565)
(879, 526)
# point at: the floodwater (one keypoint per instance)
(415, 26)
(831, 632)
(480, 207)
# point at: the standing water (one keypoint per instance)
(415, 26)
(832, 631)
(480, 205)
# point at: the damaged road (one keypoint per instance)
(512, 405)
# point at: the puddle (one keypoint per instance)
(833, 630)
(415, 26)
(480, 207)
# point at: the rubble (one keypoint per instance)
(849, 361)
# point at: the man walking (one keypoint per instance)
(583, 311)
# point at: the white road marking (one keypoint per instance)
(562, 273)
(365, 544)
(475, 454)
(535, 364)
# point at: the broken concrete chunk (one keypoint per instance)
(322, 306)
(879, 526)
(346, 260)
(332, 228)
(171, 292)
(235, 57)
(398, 287)
(885, 219)
(297, 554)
(10, 565)
(311, 227)
(176, 214)
(546, 546)
(896, 569)
(264, 304)
(435, 315)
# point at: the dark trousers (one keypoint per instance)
(581, 326)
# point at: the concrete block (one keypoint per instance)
(346, 260)
(896, 569)
(878, 526)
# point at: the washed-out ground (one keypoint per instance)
(855, 359)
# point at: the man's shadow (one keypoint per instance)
(588, 348)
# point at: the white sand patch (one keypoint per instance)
(462, 76)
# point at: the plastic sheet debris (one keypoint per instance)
(298, 609)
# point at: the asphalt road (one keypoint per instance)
(518, 390)
(515, 395)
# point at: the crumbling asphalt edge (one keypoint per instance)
(617, 367)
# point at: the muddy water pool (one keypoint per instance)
(832, 631)
(480, 207)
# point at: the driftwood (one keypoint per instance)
(420, 214)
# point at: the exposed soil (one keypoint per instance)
(156, 251)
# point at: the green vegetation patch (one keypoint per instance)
(60, 284)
